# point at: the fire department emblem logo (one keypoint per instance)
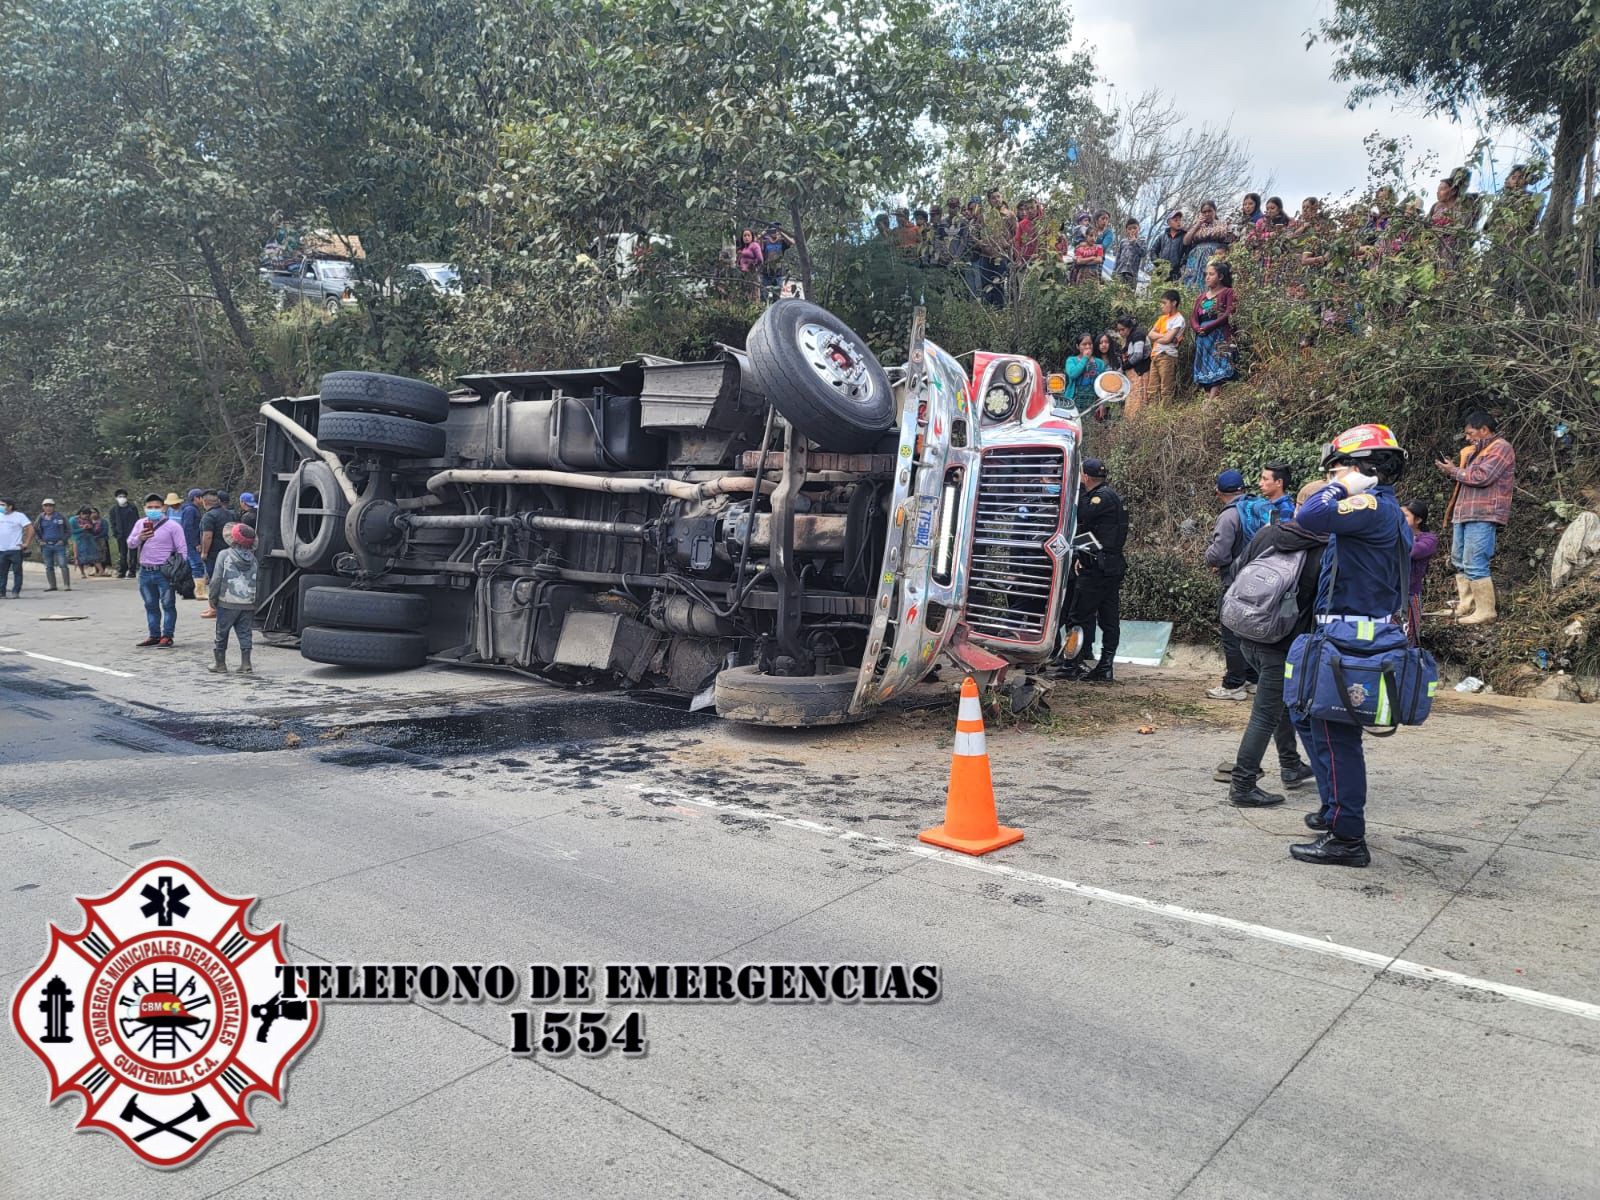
(1357, 693)
(164, 1012)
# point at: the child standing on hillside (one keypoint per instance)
(1129, 255)
(233, 593)
(1164, 337)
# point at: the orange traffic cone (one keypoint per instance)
(970, 822)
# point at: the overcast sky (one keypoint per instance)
(1219, 63)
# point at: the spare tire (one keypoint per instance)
(745, 694)
(371, 649)
(380, 434)
(303, 584)
(358, 608)
(368, 391)
(820, 375)
(311, 519)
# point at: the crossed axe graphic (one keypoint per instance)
(195, 1112)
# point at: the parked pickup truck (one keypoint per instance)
(329, 283)
(790, 531)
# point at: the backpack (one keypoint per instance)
(1261, 604)
(1257, 512)
(177, 572)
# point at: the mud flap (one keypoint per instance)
(975, 659)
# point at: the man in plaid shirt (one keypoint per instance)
(1480, 506)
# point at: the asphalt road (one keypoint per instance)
(1145, 997)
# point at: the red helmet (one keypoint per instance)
(1367, 445)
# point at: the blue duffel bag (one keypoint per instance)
(1360, 673)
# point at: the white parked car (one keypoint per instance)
(443, 278)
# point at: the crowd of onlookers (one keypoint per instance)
(1191, 263)
(991, 240)
(166, 544)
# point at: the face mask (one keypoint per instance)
(155, 514)
(122, 500)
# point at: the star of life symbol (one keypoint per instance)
(164, 1012)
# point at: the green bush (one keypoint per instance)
(1171, 587)
(665, 325)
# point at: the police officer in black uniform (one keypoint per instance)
(1097, 574)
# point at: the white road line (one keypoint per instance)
(67, 662)
(1382, 964)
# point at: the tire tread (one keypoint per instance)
(393, 395)
(369, 649)
(381, 433)
(361, 608)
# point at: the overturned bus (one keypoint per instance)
(788, 531)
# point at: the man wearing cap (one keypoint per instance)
(16, 535)
(50, 527)
(122, 519)
(157, 537)
(247, 509)
(1227, 540)
(1168, 246)
(190, 514)
(1097, 574)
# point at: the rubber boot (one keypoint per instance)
(219, 665)
(1483, 603)
(244, 663)
(66, 578)
(50, 578)
(1464, 595)
(1102, 671)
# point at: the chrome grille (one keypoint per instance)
(1008, 596)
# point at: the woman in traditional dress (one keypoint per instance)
(1211, 318)
(1206, 238)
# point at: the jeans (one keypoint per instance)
(993, 272)
(160, 602)
(54, 554)
(238, 620)
(1237, 671)
(1269, 719)
(11, 564)
(1472, 546)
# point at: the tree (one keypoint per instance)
(1018, 105)
(1535, 64)
(144, 145)
(802, 110)
(1150, 163)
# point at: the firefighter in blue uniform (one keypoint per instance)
(1373, 544)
